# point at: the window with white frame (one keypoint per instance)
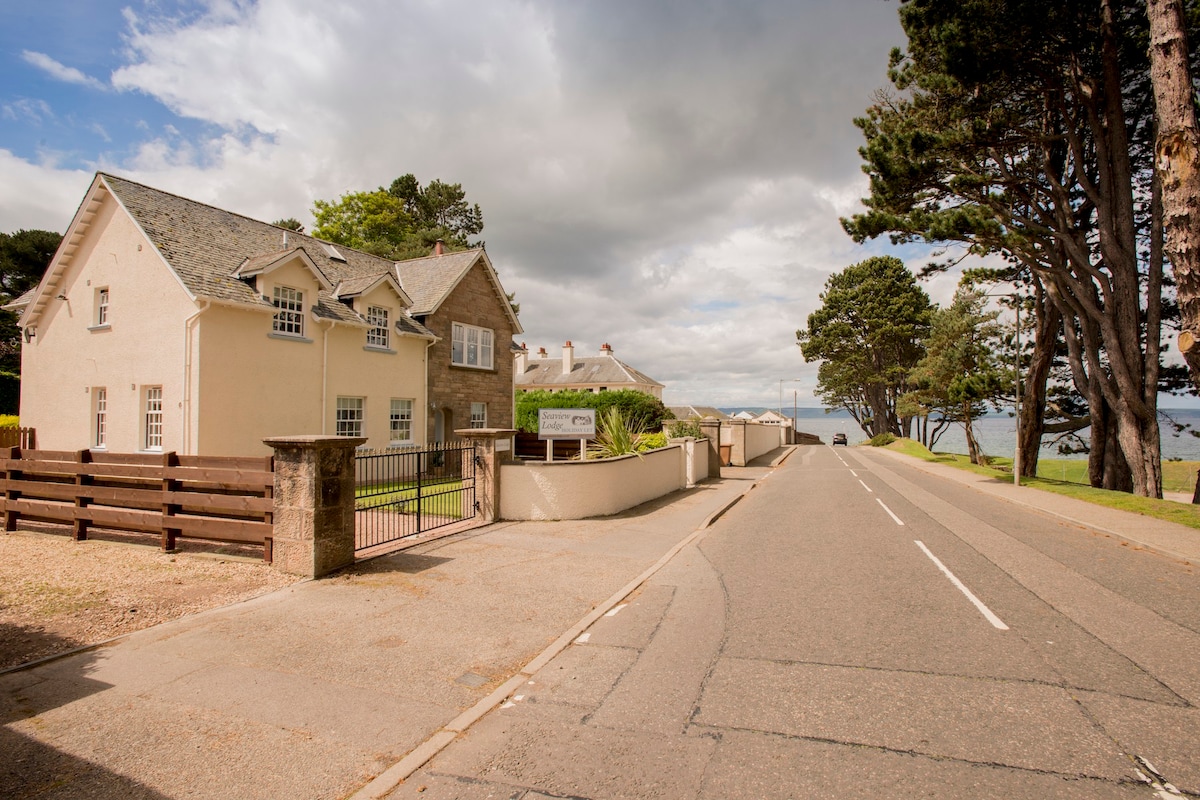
(401, 420)
(99, 416)
(101, 307)
(378, 335)
(478, 415)
(470, 346)
(153, 422)
(349, 420)
(289, 316)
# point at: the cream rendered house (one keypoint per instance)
(165, 324)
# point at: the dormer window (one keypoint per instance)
(289, 317)
(379, 334)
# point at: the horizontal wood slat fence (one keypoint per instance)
(222, 499)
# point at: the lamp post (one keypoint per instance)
(782, 381)
(1016, 298)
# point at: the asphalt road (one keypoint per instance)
(857, 628)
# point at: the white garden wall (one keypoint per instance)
(540, 490)
(762, 438)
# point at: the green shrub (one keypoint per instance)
(10, 421)
(678, 429)
(882, 440)
(651, 441)
(639, 408)
(615, 436)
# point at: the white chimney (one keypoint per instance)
(522, 359)
(606, 349)
(568, 357)
(542, 352)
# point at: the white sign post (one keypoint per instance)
(566, 423)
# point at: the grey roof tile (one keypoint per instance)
(206, 246)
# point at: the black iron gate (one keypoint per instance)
(402, 492)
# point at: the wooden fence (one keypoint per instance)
(202, 497)
(18, 437)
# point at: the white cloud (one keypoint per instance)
(28, 110)
(60, 71)
(667, 180)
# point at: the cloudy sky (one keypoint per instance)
(666, 177)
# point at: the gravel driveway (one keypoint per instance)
(57, 594)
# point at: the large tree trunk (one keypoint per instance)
(973, 451)
(1031, 423)
(1177, 162)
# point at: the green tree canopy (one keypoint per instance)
(1024, 128)
(959, 373)
(24, 256)
(868, 335)
(402, 221)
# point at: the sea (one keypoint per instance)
(997, 432)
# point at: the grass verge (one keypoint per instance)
(1001, 469)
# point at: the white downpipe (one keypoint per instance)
(325, 376)
(188, 383)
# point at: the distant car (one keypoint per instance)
(840, 438)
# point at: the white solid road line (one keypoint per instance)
(890, 513)
(987, 612)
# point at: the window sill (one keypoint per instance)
(97, 328)
(284, 337)
(370, 348)
(472, 368)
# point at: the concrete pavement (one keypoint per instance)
(346, 685)
(317, 689)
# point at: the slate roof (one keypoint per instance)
(602, 370)
(429, 280)
(207, 247)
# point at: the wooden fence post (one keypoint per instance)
(79, 528)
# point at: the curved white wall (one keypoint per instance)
(577, 489)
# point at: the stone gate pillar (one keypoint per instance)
(493, 446)
(314, 503)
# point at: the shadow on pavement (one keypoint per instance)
(32, 768)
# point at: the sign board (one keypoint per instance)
(566, 423)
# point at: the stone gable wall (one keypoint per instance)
(473, 302)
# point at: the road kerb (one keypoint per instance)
(392, 777)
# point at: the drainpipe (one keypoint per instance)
(188, 332)
(325, 375)
(425, 405)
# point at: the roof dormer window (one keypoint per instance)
(289, 314)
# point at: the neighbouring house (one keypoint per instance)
(583, 373)
(772, 417)
(458, 297)
(697, 412)
(164, 324)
